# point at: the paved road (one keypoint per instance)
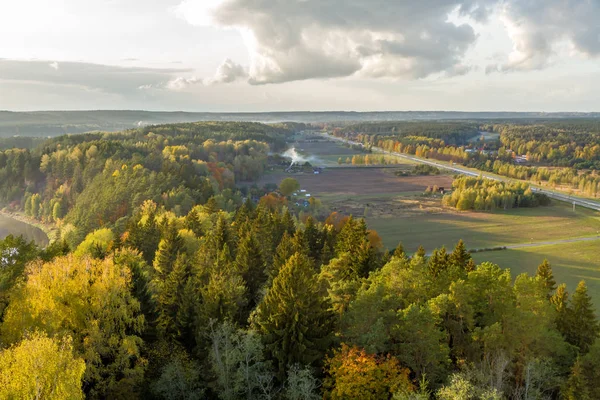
(578, 201)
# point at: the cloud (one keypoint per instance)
(106, 78)
(228, 72)
(545, 30)
(303, 39)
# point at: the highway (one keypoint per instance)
(578, 201)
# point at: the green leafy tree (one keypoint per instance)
(288, 186)
(293, 318)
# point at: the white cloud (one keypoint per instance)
(228, 72)
(54, 65)
(544, 31)
(303, 39)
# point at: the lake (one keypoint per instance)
(9, 226)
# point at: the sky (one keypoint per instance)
(300, 55)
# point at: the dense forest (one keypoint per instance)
(168, 284)
(97, 179)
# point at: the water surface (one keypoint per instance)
(10, 226)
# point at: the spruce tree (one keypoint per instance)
(250, 264)
(438, 262)
(584, 327)
(470, 266)
(421, 252)
(460, 256)
(399, 251)
(560, 301)
(167, 253)
(211, 206)
(576, 387)
(314, 240)
(284, 251)
(192, 222)
(294, 319)
(544, 272)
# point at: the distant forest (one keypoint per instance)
(55, 123)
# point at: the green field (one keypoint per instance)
(480, 230)
(571, 262)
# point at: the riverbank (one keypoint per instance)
(50, 230)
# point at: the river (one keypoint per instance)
(10, 226)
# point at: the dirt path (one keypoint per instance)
(552, 242)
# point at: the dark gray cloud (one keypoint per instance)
(302, 39)
(105, 78)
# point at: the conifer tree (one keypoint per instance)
(314, 240)
(584, 328)
(167, 253)
(284, 251)
(544, 272)
(211, 206)
(288, 223)
(576, 387)
(421, 252)
(460, 256)
(192, 222)
(560, 301)
(250, 264)
(438, 262)
(470, 266)
(295, 320)
(169, 296)
(399, 251)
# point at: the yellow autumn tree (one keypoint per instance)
(40, 367)
(91, 300)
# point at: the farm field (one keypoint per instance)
(480, 230)
(571, 262)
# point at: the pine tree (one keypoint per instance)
(314, 239)
(544, 272)
(211, 206)
(399, 251)
(192, 222)
(250, 264)
(168, 298)
(560, 301)
(584, 327)
(438, 262)
(460, 256)
(294, 319)
(284, 251)
(576, 387)
(167, 253)
(421, 252)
